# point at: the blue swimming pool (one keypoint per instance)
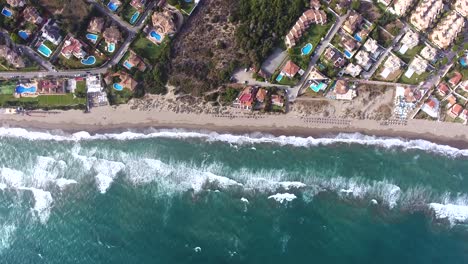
(111, 47)
(155, 35)
(357, 37)
(21, 89)
(118, 86)
(92, 37)
(464, 61)
(280, 77)
(113, 6)
(128, 65)
(134, 17)
(318, 87)
(306, 49)
(88, 61)
(23, 34)
(7, 12)
(44, 50)
(348, 54)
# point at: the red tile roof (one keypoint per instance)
(456, 78)
(456, 110)
(443, 88)
(291, 68)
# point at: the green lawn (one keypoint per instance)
(7, 88)
(187, 7)
(42, 100)
(74, 63)
(409, 55)
(147, 49)
(313, 35)
(128, 12)
(415, 79)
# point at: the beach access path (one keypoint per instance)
(123, 118)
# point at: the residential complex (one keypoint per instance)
(461, 6)
(400, 7)
(309, 17)
(425, 13)
(447, 30)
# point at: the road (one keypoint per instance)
(132, 33)
(368, 74)
(296, 90)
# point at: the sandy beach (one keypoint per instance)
(139, 116)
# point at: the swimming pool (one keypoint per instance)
(134, 17)
(20, 89)
(128, 65)
(464, 61)
(7, 12)
(155, 35)
(348, 54)
(307, 49)
(23, 34)
(88, 61)
(113, 6)
(44, 50)
(92, 37)
(118, 86)
(318, 87)
(111, 47)
(357, 37)
(280, 77)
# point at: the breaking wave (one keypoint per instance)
(255, 138)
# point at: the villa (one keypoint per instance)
(451, 100)
(464, 115)
(342, 91)
(352, 23)
(73, 47)
(455, 111)
(112, 35)
(353, 70)
(290, 69)
(126, 80)
(51, 87)
(309, 17)
(464, 86)
(96, 25)
(11, 57)
(16, 3)
(425, 13)
(277, 100)
(138, 4)
(391, 66)
(401, 6)
(443, 89)
(456, 78)
(412, 95)
(343, 5)
(461, 6)
(409, 41)
(163, 25)
(246, 98)
(447, 30)
(51, 32)
(431, 107)
(31, 15)
(261, 95)
(429, 53)
(335, 57)
(26, 89)
(363, 59)
(371, 45)
(349, 43)
(134, 61)
(314, 4)
(418, 66)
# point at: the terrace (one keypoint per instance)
(425, 13)
(308, 18)
(31, 15)
(447, 30)
(163, 25)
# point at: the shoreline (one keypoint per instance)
(121, 119)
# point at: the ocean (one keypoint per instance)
(174, 196)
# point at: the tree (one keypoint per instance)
(356, 4)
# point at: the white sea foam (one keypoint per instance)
(451, 212)
(257, 138)
(244, 200)
(11, 178)
(6, 236)
(42, 203)
(106, 172)
(62, 183)
(283, 197)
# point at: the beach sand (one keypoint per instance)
(126, 117)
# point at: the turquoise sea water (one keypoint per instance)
(188, 197)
